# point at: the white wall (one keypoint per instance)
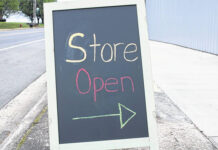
(190, 23)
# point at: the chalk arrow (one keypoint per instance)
(122, 110)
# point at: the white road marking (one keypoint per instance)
(22, 44)
(2, 35)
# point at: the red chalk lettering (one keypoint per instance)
(77, 77)
(110, 85)
(99, 89)
(126, 77)
(110, 81)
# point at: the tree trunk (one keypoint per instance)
(34, 11)
(38, 20)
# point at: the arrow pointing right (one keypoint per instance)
(121, 108)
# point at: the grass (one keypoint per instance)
(13, 25)
(41, 25)
(37, 119)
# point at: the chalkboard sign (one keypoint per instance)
(98, 91)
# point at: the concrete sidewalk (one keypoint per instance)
(176, 131)
(190, 78)
(186, 102)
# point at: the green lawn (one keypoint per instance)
(41, 25)
(12, 25)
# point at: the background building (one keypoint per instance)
(189, 23)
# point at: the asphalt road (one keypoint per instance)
(22, 60)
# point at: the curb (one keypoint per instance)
(18, 115)
(19, 29)
(29, 131)
(26, 122)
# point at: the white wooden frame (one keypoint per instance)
(152, 140)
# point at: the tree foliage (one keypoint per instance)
(7, 7)
(26, 6)
(40, 6)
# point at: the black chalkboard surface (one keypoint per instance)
(99, 75)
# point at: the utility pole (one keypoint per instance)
(34, 11)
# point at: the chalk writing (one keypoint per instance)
(103, 84)
(128, 49)
(76, 47)
(120, 114)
